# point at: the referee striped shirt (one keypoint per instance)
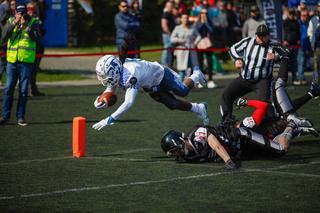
(254, 56)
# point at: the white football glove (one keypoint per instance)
(105, 122)
(241, 102)
(249, 122)
(99, 105)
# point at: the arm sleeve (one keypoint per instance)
(129, 99)
(281, 52)
(260, 112)
(34, 32)
(120, 23)
(174, 38)
(238, 48)
(245, 29)
(7, 31)
(197, 37)
(134, 24)
(209, 27)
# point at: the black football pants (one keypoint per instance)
(238, 88)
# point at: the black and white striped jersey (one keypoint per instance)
(254, 56)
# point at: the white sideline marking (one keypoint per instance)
(267, 170)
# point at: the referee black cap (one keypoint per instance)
(254, 8)
(262, 30)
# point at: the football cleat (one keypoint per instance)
(299, 121)
(314, 90)
(308, 131)
(203, 114)
(201, 78)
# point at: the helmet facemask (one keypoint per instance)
(173, 144)
(178, 149)
(107, 81)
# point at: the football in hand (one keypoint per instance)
(109, 98)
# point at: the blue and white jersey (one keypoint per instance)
(138, 73)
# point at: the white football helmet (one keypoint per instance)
(108, 70)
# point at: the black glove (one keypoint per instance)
(241, 102)
(314, 90)
(230, 165)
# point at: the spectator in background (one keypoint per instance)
(285, 12)
(233, 25)
(212, 12)
(137, 13)
(10, 13)
(291, 39)
(21, 32)
(167, 26)
(185, 36)
(182, 8)
(176, 14)
(40, 9)
(314, 37)
(302, 6)
(220, 22)
(250, 25)
(311, 14)
(205, 28)
(135, 10)
(305, 50)
(12, 8)
(4, 10)
(31, 10)
(126, 25)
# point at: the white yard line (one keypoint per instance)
(265, 170)
(113, 186)
(101, 156)
(272, 171)
(33, 160)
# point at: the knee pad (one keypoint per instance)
(282, 97)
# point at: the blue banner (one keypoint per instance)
(271, 11)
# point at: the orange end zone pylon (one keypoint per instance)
(79, 137)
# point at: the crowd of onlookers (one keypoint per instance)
(219, 24)
(300, 25)
(203, 26)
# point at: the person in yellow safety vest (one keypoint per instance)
(21, 34)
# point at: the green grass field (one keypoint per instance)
(125, 170)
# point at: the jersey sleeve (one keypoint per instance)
(261, 109)
(129, 99)
(280, 51)
(237, 49)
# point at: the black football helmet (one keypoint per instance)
(172, 142)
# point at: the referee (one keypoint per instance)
(255, 57)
